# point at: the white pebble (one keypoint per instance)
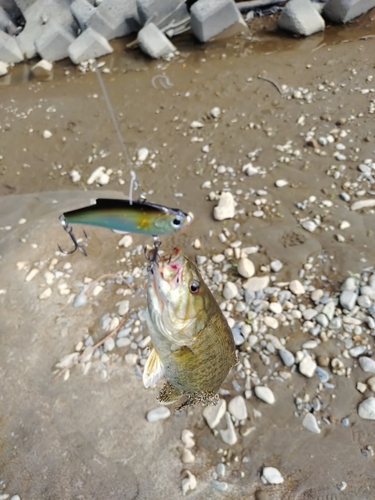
(307, 366)
(196, 124)
(131, 359)
(271, 322)
(246, 268)
(281, 183)
(359, 205)
(229, 435)
(95, 175)
(230, 290)
(296, 287)
(226, 207)
(237, 408)
(272, 476)
(310, 423)
(123, 307)
(213, 414)
(187, 456)
(46, 293)
(142, 154)
(265, 394)
(366, 408)
(189, 483)
(276, 266)
(75, 175)
(187, 438)
(367, 364)
(31, 275)
(276, 308)
(256, 284)
(47, 134)
(159, 413)
(126, 241)
(309, 225)
(215, 112)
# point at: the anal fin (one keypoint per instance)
(153, 370)
(168, 394)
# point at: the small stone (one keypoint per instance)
(159, 413)
(309, 225)
(229, 435)
(196, 124)
(287, 357)
(131, 359)
(357, 351)
(367, 364)
(296, 287)
(75, 175)
(348, 299)
(187, 456)
(42, 70)
(322, 320)
(47, 292)
(276, 266)
(230, 290)
(226, 207)
(265, 394)
(95, 175)
(237, 407)
(271, 322)
(307, 366)
(361, 387)
(272, 476)
(31, 274)
(256, 283)
(366, 408)
(310, 423)
(47, 134)
(109, 344)
(275, 307)
(3, 68)
(371, 384)
(123, 307)
(215, 112)
(359, 205)
(187, 438)
(126, 241)
(281, 183)
(142, 154)
(364, 301)
(329, 310)
(189, 483)
(245, 268)
(220, 485)
(350, 284)
(213, 414)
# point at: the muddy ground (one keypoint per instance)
(87, 438)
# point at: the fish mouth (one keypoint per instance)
(168, 268)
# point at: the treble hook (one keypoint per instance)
(77, 246)
(153, 258)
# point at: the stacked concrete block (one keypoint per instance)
(89, 45)
(124, 12)
(154, 43)
(37, 16)
(82, 10)
(343, 11)
(9, 49)
(162, 13)
(211, 17)
(300, 17)
(6, 23)
(53, 44)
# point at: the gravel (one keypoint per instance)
(271, 475)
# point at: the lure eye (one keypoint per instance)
(194, 286)
(177, 221)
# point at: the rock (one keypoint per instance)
(307, 366)
(359, 205)
(82, 10)
(89, 45)
(9, 49)
(265, 394)
(54, 42)
(189, 483)
(162, 13)
(215, 112)
(348, 299)
(367, 364)
(126, 241)
(256, 284)
(211, 17)
(322, 320)
(271, 322)
(300, 17)
(187, 438)
(361, 387)
(187, 456)
(131, 359)
(271, 475)
(310, 423)
(213, 414)
(323, 375)
(159, 413)
(287, 357)
(220, 485)
(3, 68)
(109, 344)
(47, 134)
(121, 16)
(357, 351)
(229, 435)
(245, 268)
(364, 301)
(276, 266)
(366, 408)
(296, 287)
(343, 11)
(350, 284)
(226, 207)
(309, 225)
(237, 408)
(281, 183)
(230, 290)
(154, 43)
(275, 307)
(142, 154)
(371, 384)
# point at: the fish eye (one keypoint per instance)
(177, 221)
(194, 286)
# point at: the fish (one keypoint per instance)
(133, 217)
(192, 343)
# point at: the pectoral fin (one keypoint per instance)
(153, 369)
(168, 394)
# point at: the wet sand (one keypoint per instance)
(87, 437)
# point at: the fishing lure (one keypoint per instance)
(123, 215)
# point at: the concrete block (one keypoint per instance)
(154, 43)
(37, 16)
(300, 17)
(125, 12)
(343, 11)
(89, 45)
(82, 10)
(6, 23)
(211, 17)
(162, 13)
(9, 49)
(3, 68)
(42, 70)
(53, 44)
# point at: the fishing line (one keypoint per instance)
(133, 181)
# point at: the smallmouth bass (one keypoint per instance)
(193, 345)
